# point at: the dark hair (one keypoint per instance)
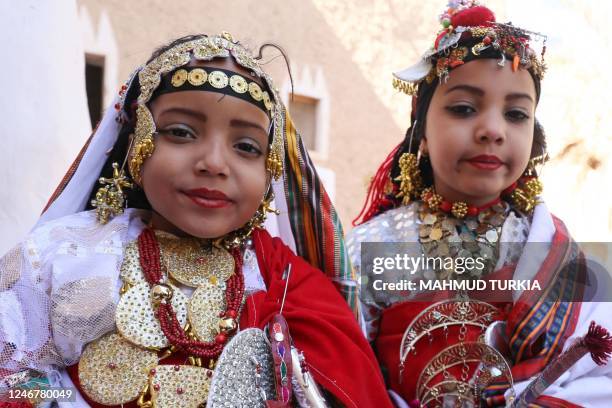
(419, 120)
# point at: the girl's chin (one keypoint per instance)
(480, 195)
(211, 232)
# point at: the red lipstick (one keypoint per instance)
(208, 198)
(485, 162)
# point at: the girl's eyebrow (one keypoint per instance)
(468, 88)
(240, 123)
(479, 92)
(518, 95)
(185, 111)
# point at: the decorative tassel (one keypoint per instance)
(597, 342)
(408, 88)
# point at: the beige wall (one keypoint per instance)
(349, 49)
(303, 31)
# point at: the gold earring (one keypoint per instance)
(274, 164)
(110, 198)
(409, 177)
(525, 195)
(410, 174)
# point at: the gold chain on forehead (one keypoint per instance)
(201, 49)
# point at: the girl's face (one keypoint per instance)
(207, 175)
(479, 130)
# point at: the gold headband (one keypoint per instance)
(216, 80)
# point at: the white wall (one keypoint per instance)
(43, 109)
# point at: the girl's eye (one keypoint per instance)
(177, 132)
(517, 115)
(461, 110)
(248, 148)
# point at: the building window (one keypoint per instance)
(94, 83)
(303, 111)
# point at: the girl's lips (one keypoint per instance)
(485, 162)
(208, 198)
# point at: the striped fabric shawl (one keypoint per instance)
(318, 234)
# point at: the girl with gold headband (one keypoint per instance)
(463, 184)
(150, 279)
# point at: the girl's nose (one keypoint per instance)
(212, 159)
(490, 129)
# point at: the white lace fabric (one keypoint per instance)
(60, 286)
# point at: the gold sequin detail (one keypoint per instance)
(239, 84)
(204, 307)
(218, 79)
(131, 272)
(179, 386)
(179, 78)
(112, 371)
(135, 316)
(197, 77)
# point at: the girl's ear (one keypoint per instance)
(423, 146)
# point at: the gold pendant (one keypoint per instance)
(206, 303)
(191, 264)
(112, 371)
(179, 386)
(135, 316)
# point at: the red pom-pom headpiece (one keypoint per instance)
(478, 16)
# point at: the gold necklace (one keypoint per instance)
(123, 366)
(194, 262)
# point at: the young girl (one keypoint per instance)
(462, 182)
(150, 275)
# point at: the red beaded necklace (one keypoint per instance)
(150, 262)
(458, 209)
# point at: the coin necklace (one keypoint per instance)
(473, 234)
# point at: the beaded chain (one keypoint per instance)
(150, 261)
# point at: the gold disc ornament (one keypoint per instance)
(135, 316)
(205, 305)
(112, 371)
(192, 263)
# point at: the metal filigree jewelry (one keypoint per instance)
(110, 198)
(441, 315)
(491, 364)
